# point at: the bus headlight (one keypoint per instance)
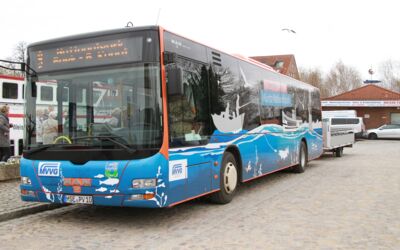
(144, 183)
(25, 180)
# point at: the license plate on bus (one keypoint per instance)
(78, 199)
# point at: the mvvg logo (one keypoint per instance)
(51, 169)
(177, 169)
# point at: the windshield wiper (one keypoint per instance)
(110, 138)
(44, 147)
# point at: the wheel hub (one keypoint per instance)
(230, 177)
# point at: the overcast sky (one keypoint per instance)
(360, 33)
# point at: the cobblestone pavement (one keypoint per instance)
(9, 195)
(351, 202)
(11, 205)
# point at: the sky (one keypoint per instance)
(362, 34)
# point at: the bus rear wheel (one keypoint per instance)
(301, 167)
(228, 180)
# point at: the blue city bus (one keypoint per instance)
(143, 117)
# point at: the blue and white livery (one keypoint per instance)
(143, 117)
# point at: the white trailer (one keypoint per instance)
(336, 137)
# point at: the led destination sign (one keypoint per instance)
(88, 54)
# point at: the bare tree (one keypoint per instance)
(18, 55)
(19, 52)
(5, 68)
(390, 71)
(314, 77)
(342, 78)
(2, 70)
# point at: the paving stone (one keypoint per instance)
(11, 205)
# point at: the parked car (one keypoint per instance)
(385, 131)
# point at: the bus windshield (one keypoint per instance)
(106, 109)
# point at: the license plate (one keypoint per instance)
(78, 199)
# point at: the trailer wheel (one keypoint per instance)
(303, 158)
(228, 180)
(339, 152)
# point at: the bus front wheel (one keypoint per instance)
(228, 180)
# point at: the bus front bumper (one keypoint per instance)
(134, 200)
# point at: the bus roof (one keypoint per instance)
(251, 61)
(156, 28)
(94, 34)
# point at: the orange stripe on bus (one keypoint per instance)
(164, 147)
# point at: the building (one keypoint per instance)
(375, 104)
(284, 64)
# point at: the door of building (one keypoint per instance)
(395, 118)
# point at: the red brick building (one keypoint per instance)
(375, 104)
(284, 64)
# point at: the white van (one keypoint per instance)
(346, 119)
(339, 113)
(355, 123)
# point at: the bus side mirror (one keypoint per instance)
(174, 83)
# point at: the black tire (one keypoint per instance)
(303, 159)
(229, 180)
(373, 136)
(339, 152)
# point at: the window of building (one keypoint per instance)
(395, 118)
(278, 64)
(10, 90)
(46, 93)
